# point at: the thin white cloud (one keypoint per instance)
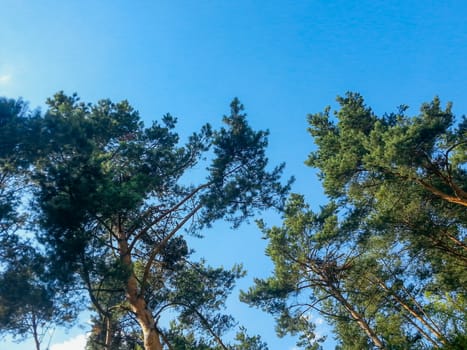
(5, 79)
(76, 343)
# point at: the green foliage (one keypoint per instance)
(458, 343)
(181, 339)
(246, 342)
(385, 261)
(113, 200)
(16, 130)
(30, 305)
(236, 187)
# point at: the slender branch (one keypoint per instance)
(462, 200)
(457, 242)
(93, 298)
(157, 249)
(432, 327)
(104, 224)
(436, 329)
(200, 316)
(207, 325)
(460, 194)
(420, 329)
(165, 339)
(161, 217)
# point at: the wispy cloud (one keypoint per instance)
(319, 321)
(76, 343)
(5, 78)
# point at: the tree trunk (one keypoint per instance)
(145, 319)
(108, 334)
(34, 332)
(327, 275)
(151, 337)
(432, 328)
(137, 303)
(359, 319)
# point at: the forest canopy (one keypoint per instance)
(108, 207)
(95, 208)
(385, 260)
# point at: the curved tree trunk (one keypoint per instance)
(35, 333)
(151, 337)
(137, 303)
(145, 319)
(108, 333)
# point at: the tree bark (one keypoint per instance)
(137, 303)
(108, 333)
(35, 333)
(360, 320)
(327, 276)
(460, 197)
(432, 328)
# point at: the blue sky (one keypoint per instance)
(283, 59)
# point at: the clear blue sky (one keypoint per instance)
(283, 59)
